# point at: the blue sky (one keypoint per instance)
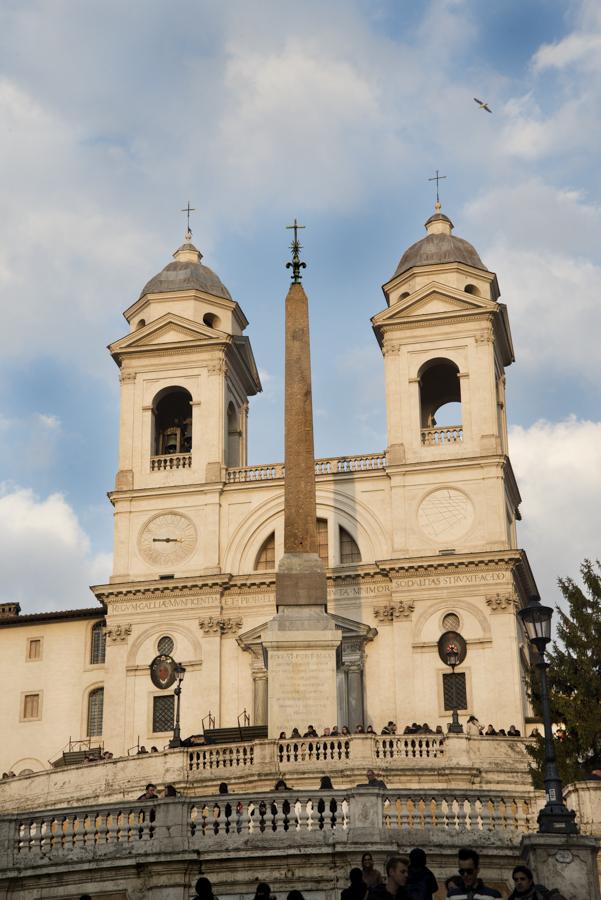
(114, 115)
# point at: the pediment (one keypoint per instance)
(169, 329)
(433, 300)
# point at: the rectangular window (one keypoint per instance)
(322, 540)
(34, 648)
(163, 713)
(95, 712)
(455, 695)
(98, 644)
(31, 706)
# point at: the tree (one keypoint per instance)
(574, 680)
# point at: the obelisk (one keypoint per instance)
(301, 640)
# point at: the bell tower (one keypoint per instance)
(186, 373)
(446, 342)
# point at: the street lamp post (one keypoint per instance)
(452, 661)
(452, 650)
(180, 671)
(554, 817)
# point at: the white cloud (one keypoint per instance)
(574, 49)
(45, 555)
(298, 102)
(543, 244)
(558, 468)
(53, 423)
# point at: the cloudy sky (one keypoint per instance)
(114, 114)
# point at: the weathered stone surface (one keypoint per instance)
(567, 862)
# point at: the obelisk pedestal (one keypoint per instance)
(301, 653)
(301, 640)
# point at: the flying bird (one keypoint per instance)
(483, 105)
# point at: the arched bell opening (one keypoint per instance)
(440, 398)
(234, 436)
(172, 421)
(211, 320)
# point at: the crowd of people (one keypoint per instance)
(410, 878)
(473, 727)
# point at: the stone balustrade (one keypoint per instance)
(255, 820)
(444, 435)
(402, 761)
(170, 461)
(328, 466)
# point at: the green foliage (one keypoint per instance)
(574, 680)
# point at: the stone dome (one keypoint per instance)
(186, 273)
(439, 246)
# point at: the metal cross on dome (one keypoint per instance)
(296, 265)
(437, 178)
(188, 209)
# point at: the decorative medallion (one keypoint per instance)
(167, 538)
(445, 514)
(451, 642)
(162, 671)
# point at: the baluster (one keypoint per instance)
(298, 815)
(262, 814)
(485, 815)
(276, 816)
(345, 814)
(497, 819)
(203, 819)
(453, 816)
(216, 817)
(466, 809)
(68, 832)
(309, 810)
(246, 817)
(333, 811)
(321, 806)
(401, 813)
(386, 813)
(504, 811)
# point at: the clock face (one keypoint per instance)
(167, 538)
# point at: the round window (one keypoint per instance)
(450, 622)
(165, 645)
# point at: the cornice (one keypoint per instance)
(436, 564)
(437, 318)
(180, 587)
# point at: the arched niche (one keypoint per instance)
(172, 421)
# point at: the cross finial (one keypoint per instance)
(437, 178)
(188, 209)
(296, 265)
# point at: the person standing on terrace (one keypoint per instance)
(371, 875)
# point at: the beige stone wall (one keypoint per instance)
(63, 677)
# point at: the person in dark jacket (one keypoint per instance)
(469, 870)
(525, 888)
(204, 890)
(394, 888)
(421, 883)
(357, 890)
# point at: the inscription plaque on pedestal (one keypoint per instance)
(302, 681)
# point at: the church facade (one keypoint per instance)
(417, 539)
